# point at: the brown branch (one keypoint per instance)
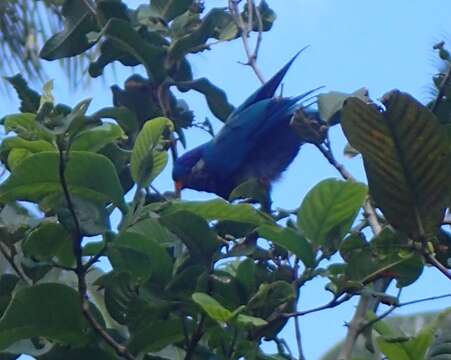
(297, 330)
(245, 29)
(10, 259)
(365, 301)
(432, 260)
(80, 269)
(337, 300)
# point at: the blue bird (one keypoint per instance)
(255, 142)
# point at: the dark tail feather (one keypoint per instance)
(268, 89)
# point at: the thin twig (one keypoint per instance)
(330, 305)
(10, 259)
(381, 285)
(81, 270)
(353, 328)
(431, 259)
(297, 330)
(245, 29)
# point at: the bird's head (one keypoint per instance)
(189, 170)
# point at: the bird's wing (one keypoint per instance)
(268, 89)
(238, 138)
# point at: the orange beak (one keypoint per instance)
(178, 188)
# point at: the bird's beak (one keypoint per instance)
(178, 188)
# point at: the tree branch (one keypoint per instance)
(10, 259)
(337, 300)
(245, 29)
(431, 259)
(80, 269)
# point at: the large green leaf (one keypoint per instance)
(216, 97)
(50, 241)
(194, 232)
(329, 209)
(212, 307)
(219, 209)
(405, 151)
(49, 310)
(26, 126)
(148, 157)
(87, 174)
(96, 138)
(134, 245)
(79, 21)
(290, 240)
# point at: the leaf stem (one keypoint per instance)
(10, 259)
(81, 269)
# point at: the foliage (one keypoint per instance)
(209, 279)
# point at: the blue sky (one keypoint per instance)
(381, 45)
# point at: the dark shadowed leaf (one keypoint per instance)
(329, 209)
(194, 232)
(85, 353)
(79, 21)
(7, 284)
(216, 97)
(218, 24)
(158, 334)
(49, 310)
(124, 117)
(123, 42)
(169, 9)
(29, 99)
(406, 159)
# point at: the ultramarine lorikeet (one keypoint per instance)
(255, 142)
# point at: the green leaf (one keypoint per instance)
(157, 335)
(247, 320)
(148, 158)
(194, 232)
(49, 310)
(50, 241)
(216, 97)
(26, 126)
(212, 307)
(32, 146)
(93, 218)
(329, 209)
(79, 20)
(124, 117)
(160, 263)
(29, 99)
(219, 209)
(96, 138)
(269, 297)
(290, 240)
(123, 42)
(406, 157)
(150, 227)
(87, 174)
(245, 275)
(169, 9)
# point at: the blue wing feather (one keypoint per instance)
(268, 89)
